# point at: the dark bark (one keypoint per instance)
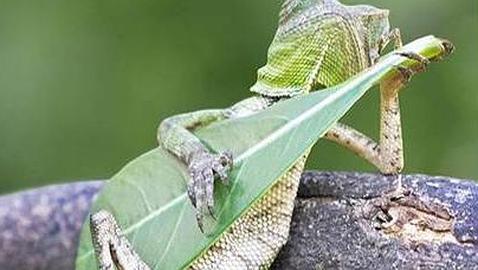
(335, 224)
(341, 221)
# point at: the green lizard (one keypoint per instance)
(319, 43)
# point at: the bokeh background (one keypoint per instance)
(83, 84)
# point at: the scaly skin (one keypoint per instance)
(319, 43)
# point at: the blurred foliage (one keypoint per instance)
(83, 84)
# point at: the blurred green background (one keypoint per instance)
(83, 84)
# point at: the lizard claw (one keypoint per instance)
(203, 168)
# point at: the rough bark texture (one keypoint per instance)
(335, 224)
(341, 221)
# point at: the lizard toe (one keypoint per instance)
(421, 60)
(200, 199)
(209, 195)
(205, 192)
(200, 189)
(222, 164)
(415, 56)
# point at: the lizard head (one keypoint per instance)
(371, 23)
(320, 43)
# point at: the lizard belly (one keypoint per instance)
(255, 238)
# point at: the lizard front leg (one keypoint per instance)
(175, 135)
(112, 249)
(387, 155)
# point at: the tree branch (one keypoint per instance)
(341, 221)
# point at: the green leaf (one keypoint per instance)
(148, 196)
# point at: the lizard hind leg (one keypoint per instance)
(112, 249)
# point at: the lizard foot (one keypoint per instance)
(415, 56)
(203, 168)
(112, 249)
(383, 219)
(405, 73)
(408, 72)
(423, 61)
(399, 209)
